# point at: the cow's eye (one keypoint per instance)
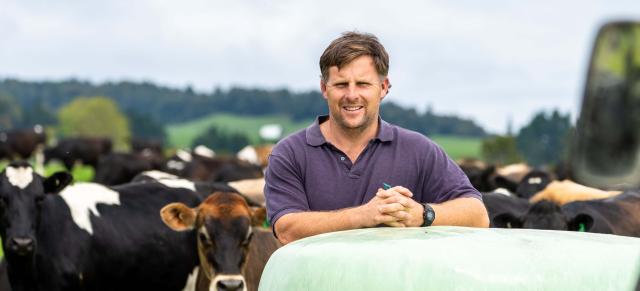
(4, 200)
(39, 199)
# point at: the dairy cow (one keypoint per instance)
(87, 150)
(618, 215)
(232, 248)
(91, 237)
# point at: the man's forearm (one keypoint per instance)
(464, 211)
(294, 226)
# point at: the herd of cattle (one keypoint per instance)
(195, 221)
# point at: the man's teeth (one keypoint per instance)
(352, 108)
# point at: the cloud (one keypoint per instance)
(489, 60)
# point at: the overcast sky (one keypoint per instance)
(485, 60)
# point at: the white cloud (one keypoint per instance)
(484, 60)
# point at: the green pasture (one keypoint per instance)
(459, 147)
(181, 135)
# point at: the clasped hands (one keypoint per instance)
(393, 207)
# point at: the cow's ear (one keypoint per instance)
(258, 216)
(178, 216)
(582, 222)
(56, 182)
(506, 220)
(503, 182)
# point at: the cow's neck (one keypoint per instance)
(21, 272)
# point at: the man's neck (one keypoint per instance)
(351, 142)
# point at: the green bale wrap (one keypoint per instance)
(454, 258)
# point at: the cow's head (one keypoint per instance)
(544, 215)
(22, 192)
(223, 223)
(532, 183)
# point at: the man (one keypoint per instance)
(330, 176)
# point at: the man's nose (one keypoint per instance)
(352, 91)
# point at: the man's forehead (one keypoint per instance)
(361, 66)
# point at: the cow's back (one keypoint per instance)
(618, 215)
(128, 246)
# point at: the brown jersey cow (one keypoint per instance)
(232, 248)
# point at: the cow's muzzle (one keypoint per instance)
(228, 283)
(21, 246)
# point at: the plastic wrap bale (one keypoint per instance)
(454, 258)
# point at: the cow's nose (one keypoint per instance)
(230, 285)
(21, 245)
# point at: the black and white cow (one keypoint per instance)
(120, 168)
(203, 189)
(89, 236)
(498, 203)
(618, 215)
(22, 143)
(87, 150)
(197, 166)
(532, 183)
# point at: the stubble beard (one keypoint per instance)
(360, 127)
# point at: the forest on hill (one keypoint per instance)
(24, 103)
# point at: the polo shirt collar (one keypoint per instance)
(315, 137)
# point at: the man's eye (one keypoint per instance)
(340, 85)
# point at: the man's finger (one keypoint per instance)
(402, 190)
(400, 215)
(395, 224)
(404, 201)
(388, 208)
(384, 219)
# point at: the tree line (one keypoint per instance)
(31, 102)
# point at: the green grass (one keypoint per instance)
(80, 173)
(182, 135)
(459, 147)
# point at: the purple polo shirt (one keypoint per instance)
(306, 173)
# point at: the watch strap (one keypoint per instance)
(428, 215)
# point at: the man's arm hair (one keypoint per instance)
(463, 211)
(297, 225)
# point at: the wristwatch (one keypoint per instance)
(428, 215)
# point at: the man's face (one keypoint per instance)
(354, 93)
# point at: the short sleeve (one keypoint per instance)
(284, 188)
(444, 179)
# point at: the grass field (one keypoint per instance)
(181, 135)
(459, 147)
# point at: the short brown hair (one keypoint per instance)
(350, 46)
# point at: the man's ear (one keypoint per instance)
(582, 222)
(258, 216)
(386, 85)
(323, 88)
(506, 220)
(56, 182)
(178, 216)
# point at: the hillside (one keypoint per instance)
(182, 135)
(39, 102)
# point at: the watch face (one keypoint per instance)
(430, 215)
